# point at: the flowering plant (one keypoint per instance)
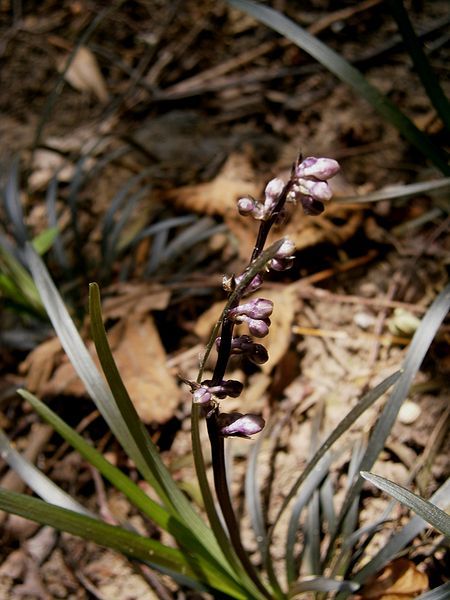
(213, 557)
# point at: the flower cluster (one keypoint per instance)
(308, 184)
(258, 210)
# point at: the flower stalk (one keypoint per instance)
(308, 186)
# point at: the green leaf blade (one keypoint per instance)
(126, 542)
(431, 513)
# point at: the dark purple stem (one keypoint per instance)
(223, 497)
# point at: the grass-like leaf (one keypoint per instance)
(44, 241)
(431, 513)
(82, 361)
(126, 542)
(168, 491)
(309, 486)
(106, 404)
(121, 482)
(366, 401)
(13, 206)
(402, 538)
(50, 203)
(347, 73)
(421, 63)
(17, 283)
(36, 480)
(440, 593)
(421, 341)
(322, 584)
(398, 191)
(253, 500)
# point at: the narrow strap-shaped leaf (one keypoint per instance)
(398, 191)
(13, 205)
(82, 361)
(440, 593)
(421, 341)
(310, 484)
(431, 513)
(159, 515)
(21, 279)
(126, 542)
(402, 538)
(421, 63)
(347, 73)
(36, 480)
(166, 486)
(344, 556)
(101, 394)
(253, 500)
(366, 401)
(45, 240)
(322, 584)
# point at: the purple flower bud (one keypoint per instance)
(319, 190)
(246, 205)
(255, 309)
(231, 387)
(274, 188)
(258, 354)
(239, 425)
(317, 168)
(201, 395)
(254, 284)
(286, 249)
(257, 327)
(281, 264)
(311, 206)
(243, 344)
(272, 193)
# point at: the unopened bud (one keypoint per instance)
(201, 395)
(274, 188)
(246, 205)
(254, 284)
(317, 168)
(239, 425)
(258, 327)
(319, 190)
(243, 344)
(281, 264)
(259, 308)
(311, 206)
(231, 387)
(286, 249)
(258, 354)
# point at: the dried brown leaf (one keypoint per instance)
(85, 76)
(140, 358)
(138, 298)
(219, 196)
(399, 579)
(39, 365)
(236, 179)
(142, 363)
(302, 230)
